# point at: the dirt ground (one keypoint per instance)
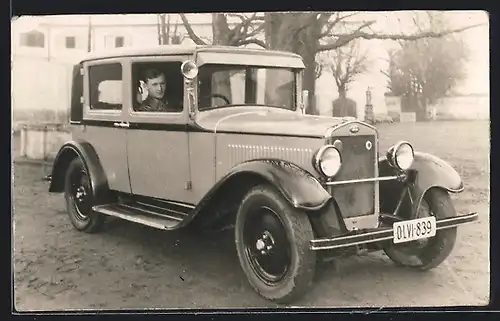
(129, 266)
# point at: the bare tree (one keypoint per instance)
(176, 39)
(308, 34)
(165, 36)
(240, 34)
(345, 63)
(426, 70)
(305, 34)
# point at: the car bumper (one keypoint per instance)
(380, 234)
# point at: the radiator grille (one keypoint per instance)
(357, 162)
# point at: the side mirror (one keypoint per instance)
(305, 100)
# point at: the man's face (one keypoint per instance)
(156, 87)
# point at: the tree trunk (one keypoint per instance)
(164, 40)
(158, 27)
(297, 33)
(221, 82)
(342, 91)
(166, 33)
(220, 29)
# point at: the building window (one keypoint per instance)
(119, 42)
(112, 41)
(70, 42)
(33, 39)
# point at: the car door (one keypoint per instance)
(157, 142)
(103, 114)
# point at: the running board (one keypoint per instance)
(145, 214)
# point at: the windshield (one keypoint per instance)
(223, 86)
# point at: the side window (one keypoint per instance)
(106, 87)
(158, 87)
(77, 94)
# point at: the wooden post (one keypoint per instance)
(89, 35)
(24, 140)
(44, 142)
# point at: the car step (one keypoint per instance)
(139, 213)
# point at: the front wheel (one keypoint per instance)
(78, 195)
(428, 253)
(272, 242)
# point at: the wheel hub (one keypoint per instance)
(80, 194)
(265, 243)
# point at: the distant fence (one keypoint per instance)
(473, 107)
(466, 107)
(42, 142)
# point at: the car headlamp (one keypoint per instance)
(328, 161)
(401, 155)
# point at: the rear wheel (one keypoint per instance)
(78, 194)
(427, 253)
(272, 241)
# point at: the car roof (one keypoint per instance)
(180, 50)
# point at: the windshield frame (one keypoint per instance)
(297, 79)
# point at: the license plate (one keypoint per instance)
(412, 230)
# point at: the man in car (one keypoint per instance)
(156, 85)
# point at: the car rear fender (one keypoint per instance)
(428, 170)
(87, 154)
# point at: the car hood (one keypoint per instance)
(263, 120)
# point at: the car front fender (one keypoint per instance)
(88, 156)
(296, 185)
(430, 171)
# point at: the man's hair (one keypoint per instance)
(152, 74)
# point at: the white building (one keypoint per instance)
(66, 38)
(45, 48)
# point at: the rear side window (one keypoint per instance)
(76, 112)
(106, 87)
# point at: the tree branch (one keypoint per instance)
(333, 23)
(242, 17)
(256, 31)
(240, 32)
(343, 39)
(237, 15)
(249, 41)
(197, 40)
(242, 29)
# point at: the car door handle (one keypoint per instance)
(123, 125)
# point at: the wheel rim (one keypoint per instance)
(266, 245)
(80, 194)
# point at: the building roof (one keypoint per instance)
(180, 50)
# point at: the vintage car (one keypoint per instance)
(211, 137)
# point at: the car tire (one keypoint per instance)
(79, 195)
(267, 222)
(438, 248)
